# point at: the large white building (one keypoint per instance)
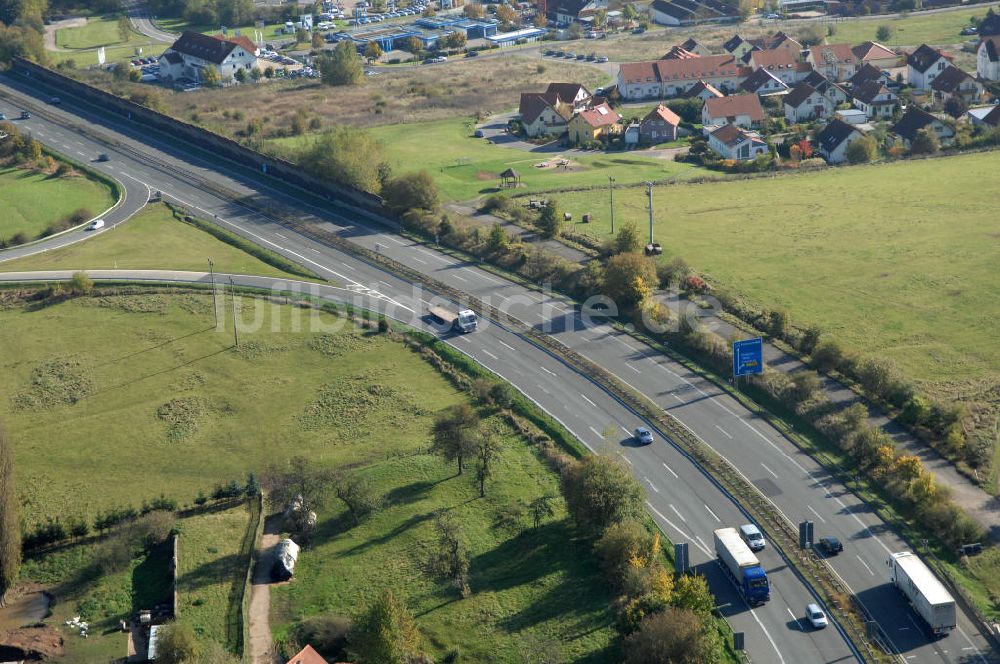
(988, 58)
(189, 56)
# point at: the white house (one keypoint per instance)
(763, 83)
(916, 119)
(988, 58)
(741, 110)
(953, 82)
(663, 79)
(544, 113)
(805, 103)
(924, 65)
(731, 142)
(189, 56)
(876, 100)
(834, 140)
(835, 61)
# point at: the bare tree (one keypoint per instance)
(298, 478)
(451, 560)
(454, 434)
(487, 453)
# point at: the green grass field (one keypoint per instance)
(939, 29)
(153, 239)
(127, 397)
(209, 568)
(31, 202)
(84, 41)
(894, 259)
(465, 167)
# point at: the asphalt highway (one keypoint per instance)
(686, 503)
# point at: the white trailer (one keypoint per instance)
(741, 565)
(464, 320)
(928, 596)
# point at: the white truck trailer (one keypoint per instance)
(464, 320)
(928, 596)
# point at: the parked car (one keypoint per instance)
(581, 56)
(569, 56)
(472, 54)
(643, 436)
(25, 115)
(3, 116)
(602, 58)
(830, 546)
(969, 31)
(816, 616)
(592, 57)
(479, 133)
(95, 225)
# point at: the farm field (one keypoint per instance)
(465, 167)
(84, 41)
(141, 391)
(33, 201)
(939, 29)
(893, 259)
(153, 239)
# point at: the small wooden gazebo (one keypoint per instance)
(510, 178)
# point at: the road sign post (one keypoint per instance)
(748, 358)
(681, 560)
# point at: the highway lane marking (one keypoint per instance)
(971, 644)
(723, 406)
(795, 618)
(768, 635)
(714, 515)
(315, 251)
(596, 432)
(542, 388)
(350, 267)
(479, 273)
(678, 397)
(870, 533)
(769, 470)
(627, 460)
(651, 485)
(591, 403)
(776, 448)
(632, 368)
(385, 284)
(724, 432)
(679, 515)
(427, 253)
(280, 235)
(809, 507)
(392, 239)
(509, 347)
(551, 373)
(698, 543)
(486, 352)
(865, 564)
(466, 340)
(702, 542)
(418, 260)
(670, 470)
(627, 432)
(462, 279)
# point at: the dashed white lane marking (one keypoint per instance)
(724, 432)
(508, 346)
(651, 485)
(280, 235)
(865, 564)
(542, 388)
(794, 617)
(627, 432)
(679, 515)
(809, 507)
(392, 239)
(769, 470)
(462, 279)
(418, 260)
(486, 352)
(315, 251)
(590, 402)
(632, 368)
(551, 373)
(596, 432)
(670, 470)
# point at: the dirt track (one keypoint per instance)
(260, 594)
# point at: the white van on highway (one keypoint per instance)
(752, 536)
(96, 224)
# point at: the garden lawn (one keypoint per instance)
(210, 571)
(84, 41)
(532, 591)
(465, 167)
(153, 239)
(896, 259)
(30, 202)
(940, 29)
(127, 397)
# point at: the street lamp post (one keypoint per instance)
(611, 191)
(649, 195)
(215, 297)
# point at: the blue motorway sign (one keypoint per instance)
(748, 357)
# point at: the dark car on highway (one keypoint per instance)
(830, 546)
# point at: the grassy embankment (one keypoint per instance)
(32, 201)
(140, 393)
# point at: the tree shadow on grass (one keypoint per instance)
(152, 580)
(227, 568)
(413, 492)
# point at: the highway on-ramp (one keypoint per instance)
(686, 503)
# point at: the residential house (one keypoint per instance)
(924, 65)
(852, 116)
(189, 56)
(763, 82)
(875, 54)
(916, 119)
(702, 90)
(631, 134)
(835, 61)
(988, 58)
(953, 82)
(678, 53)
(834, 140)
(806, 103)
(741, 110)
(781, 62)
(658, 79)
(876, 100)
(987, 117)
(689, 12)
(827, 88)
(778, 41)
(737, 46)
(571, 93)
(592, 124)
(692, 45)
(732, 142)
(307, 655)
(569, 11)
(866, 74)
(544, 113)
(659, 126)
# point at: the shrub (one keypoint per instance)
(411, 191)
(827, 355)
(694, 284)
(620, 544)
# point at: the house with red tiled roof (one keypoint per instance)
(243, 41)
(782, 63)
(876, 54)
(741, 110)
(593, 124)
(678, 53)
(307, 655)
(659, 126)
(732, 142)
(835, 61)
(664, 79)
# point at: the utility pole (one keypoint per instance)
(611, 190)
(649, 195)
(215, 299)
(236, 331)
